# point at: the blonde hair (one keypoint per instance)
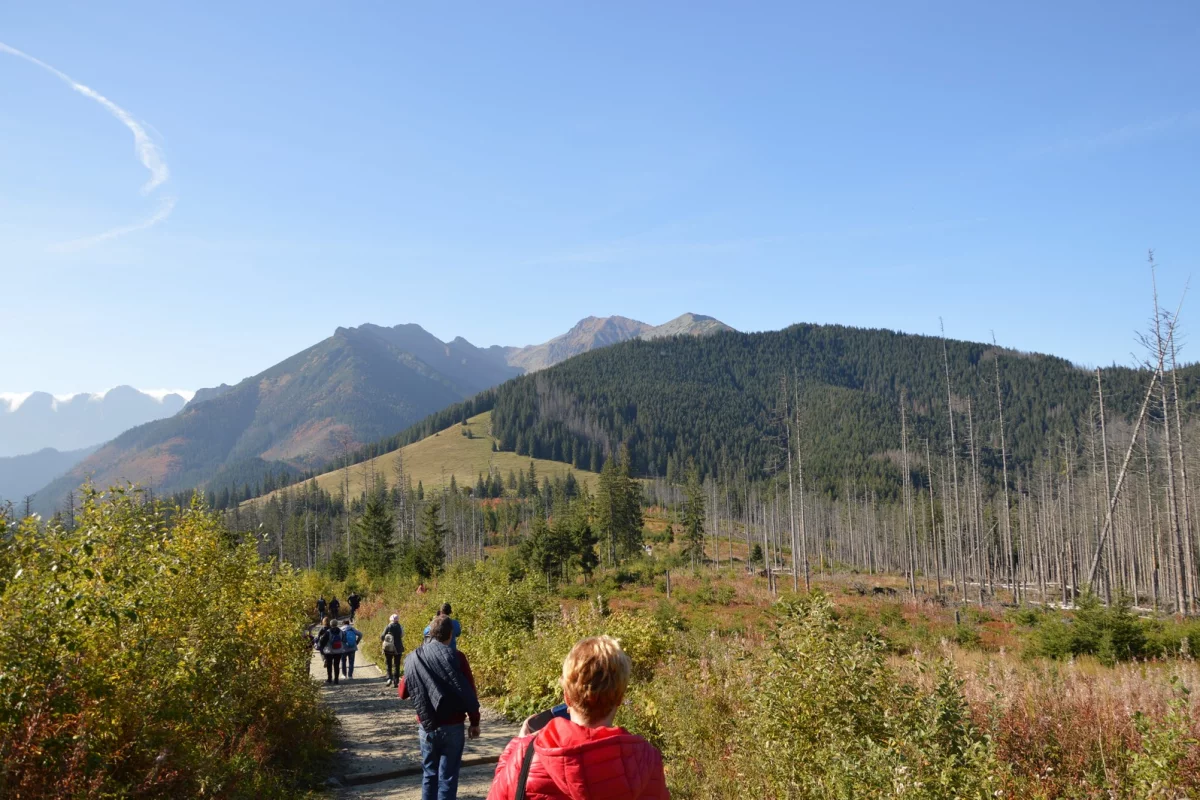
(595, 675)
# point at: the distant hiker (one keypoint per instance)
(438, 679)
(584, 756)
(353, 600)
(331, 645)
(393, 648)
(321, 608)
(351, 637)
(421, 588)
(446, 612)
(334, 606)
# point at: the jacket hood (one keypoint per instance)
(596, 763)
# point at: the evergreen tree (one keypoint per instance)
(429, 557)
(375, 528)
(693, 518)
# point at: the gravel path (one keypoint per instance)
(378, 755)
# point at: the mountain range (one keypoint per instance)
(357, 386)
(39, 420)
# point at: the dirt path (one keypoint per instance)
(378, 755)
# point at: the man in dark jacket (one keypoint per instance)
(438, 680)
(353, 600)
(334, 607)
(330, 645)
(321, 608)
(393, 648)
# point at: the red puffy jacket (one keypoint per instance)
(572, 762)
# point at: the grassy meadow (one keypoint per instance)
(449, 453)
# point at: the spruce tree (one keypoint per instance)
(430, 555)
(693, 518)
(376, 548)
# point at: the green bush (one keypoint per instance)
(147, 654)
(1110, 633)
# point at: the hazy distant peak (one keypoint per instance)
(32, 421)
(592, 332)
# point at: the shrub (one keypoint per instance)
(166, 660)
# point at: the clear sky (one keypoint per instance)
(243, 177)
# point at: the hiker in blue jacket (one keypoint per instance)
(352, 637)
(454, 624)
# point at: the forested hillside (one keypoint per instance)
(719, 402)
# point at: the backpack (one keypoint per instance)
(351, 636)
(389, 643)
(336, 641)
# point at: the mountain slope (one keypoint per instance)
(595, 332)
(24, 475)
(715, 401)
(356, 386)
(40, 421)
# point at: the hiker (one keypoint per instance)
(584, 756)
(438, 679)
(334, 605)
(421, 588)
(353, 600)
(329, 642)
(321, 608)
(393, 648)
(446, 612)
(351, 637)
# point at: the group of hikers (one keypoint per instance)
(570, 752)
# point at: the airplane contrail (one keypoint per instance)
(147, 152)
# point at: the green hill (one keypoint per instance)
(715, 401)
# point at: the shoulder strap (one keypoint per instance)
(525, 765)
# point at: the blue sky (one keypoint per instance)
(500, 170)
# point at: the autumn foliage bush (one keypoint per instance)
(145, 653)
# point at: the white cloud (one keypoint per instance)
(13, 400)
(145, 148)
(161, 394)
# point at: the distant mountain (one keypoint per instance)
(37, 421)
(357, 386)
(594, 332)
(25, 475)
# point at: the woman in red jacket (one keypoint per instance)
(584, 757)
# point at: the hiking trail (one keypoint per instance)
(378, 755)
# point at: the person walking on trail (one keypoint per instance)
(331, 645)
(446, 612)
(351, 637)
(334, 607)
(438, 680)
(584, 757)
(393, 648)
(321, 608)
(354, 600)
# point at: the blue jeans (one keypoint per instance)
(348, 664)
(441, 756)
